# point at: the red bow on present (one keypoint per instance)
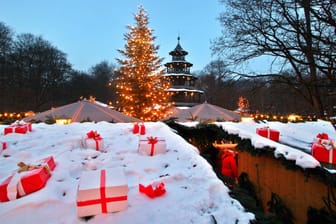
(152, 141)
(151, 192)
(94, 135)
(322, 136)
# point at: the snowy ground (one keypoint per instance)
(194, 194)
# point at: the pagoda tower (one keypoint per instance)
(184, 92)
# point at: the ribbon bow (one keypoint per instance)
(27, 167)
(322, 136)
(94, 135)
(158, 190)
(152, 140)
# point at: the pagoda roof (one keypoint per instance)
(178, 74)
(177, 62)
(178, 49)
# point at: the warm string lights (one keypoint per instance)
(140, 89)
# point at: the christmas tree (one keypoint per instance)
(243, 104)
(140, 88)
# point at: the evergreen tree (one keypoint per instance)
(139, 84)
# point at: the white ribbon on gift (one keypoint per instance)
(15, 186)
(331, 155)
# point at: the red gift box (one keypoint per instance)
(20, 127)
(268, 133)
(139, 128)
(153, 190)
(322, 154)
(101, 191)
(27, 181)
(3, 145)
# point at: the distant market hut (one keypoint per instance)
(80, 111)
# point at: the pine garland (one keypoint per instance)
(203, 135)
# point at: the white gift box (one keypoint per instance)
(90, 143)
(152, 146)
(102, 191)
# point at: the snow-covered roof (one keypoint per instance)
(184, 90)
(178, 74)
(82, 110)
(206, 111)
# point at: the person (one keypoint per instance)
(229, 165)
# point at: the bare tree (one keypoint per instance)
(103, 74)
(38, 70)
(292, 32)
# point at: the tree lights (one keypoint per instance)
(140, 89)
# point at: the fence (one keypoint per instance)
(296, 190)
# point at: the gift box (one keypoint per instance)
(27, 179)
(152, 146)
(102, 191)
(153, 190)
(325, 141)
(93, 140)
(268, 133)
(323, 154)
(20, 127)
(139, 129)
(3, 145)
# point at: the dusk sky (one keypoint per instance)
(90, 31)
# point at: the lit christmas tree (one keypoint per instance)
(140, 89)
(243, 104)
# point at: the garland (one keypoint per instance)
(203, 135)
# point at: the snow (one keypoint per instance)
(185, 90)
(194, 193)
(294, 142)
(179, 74)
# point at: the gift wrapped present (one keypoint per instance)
(152, 146)
(20, 127)
(27, 179)
(139, 129)
(153, 190)
(93, 140)
(325, 141)
(3, 145)
(323, 154)
(268, 133)
(102, 191)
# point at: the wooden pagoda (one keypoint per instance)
(182, 83)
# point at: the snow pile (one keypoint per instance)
(295, 138)
(194, 194)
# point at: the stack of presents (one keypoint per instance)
(324, 149)
(268, 133)
(99, 191)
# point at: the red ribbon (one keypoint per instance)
(142, 129)
(95, 136)
(153, 192)
(152, 141)
(136, 128)
(103, 200)
(322, 136)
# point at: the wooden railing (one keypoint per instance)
(296, 190)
